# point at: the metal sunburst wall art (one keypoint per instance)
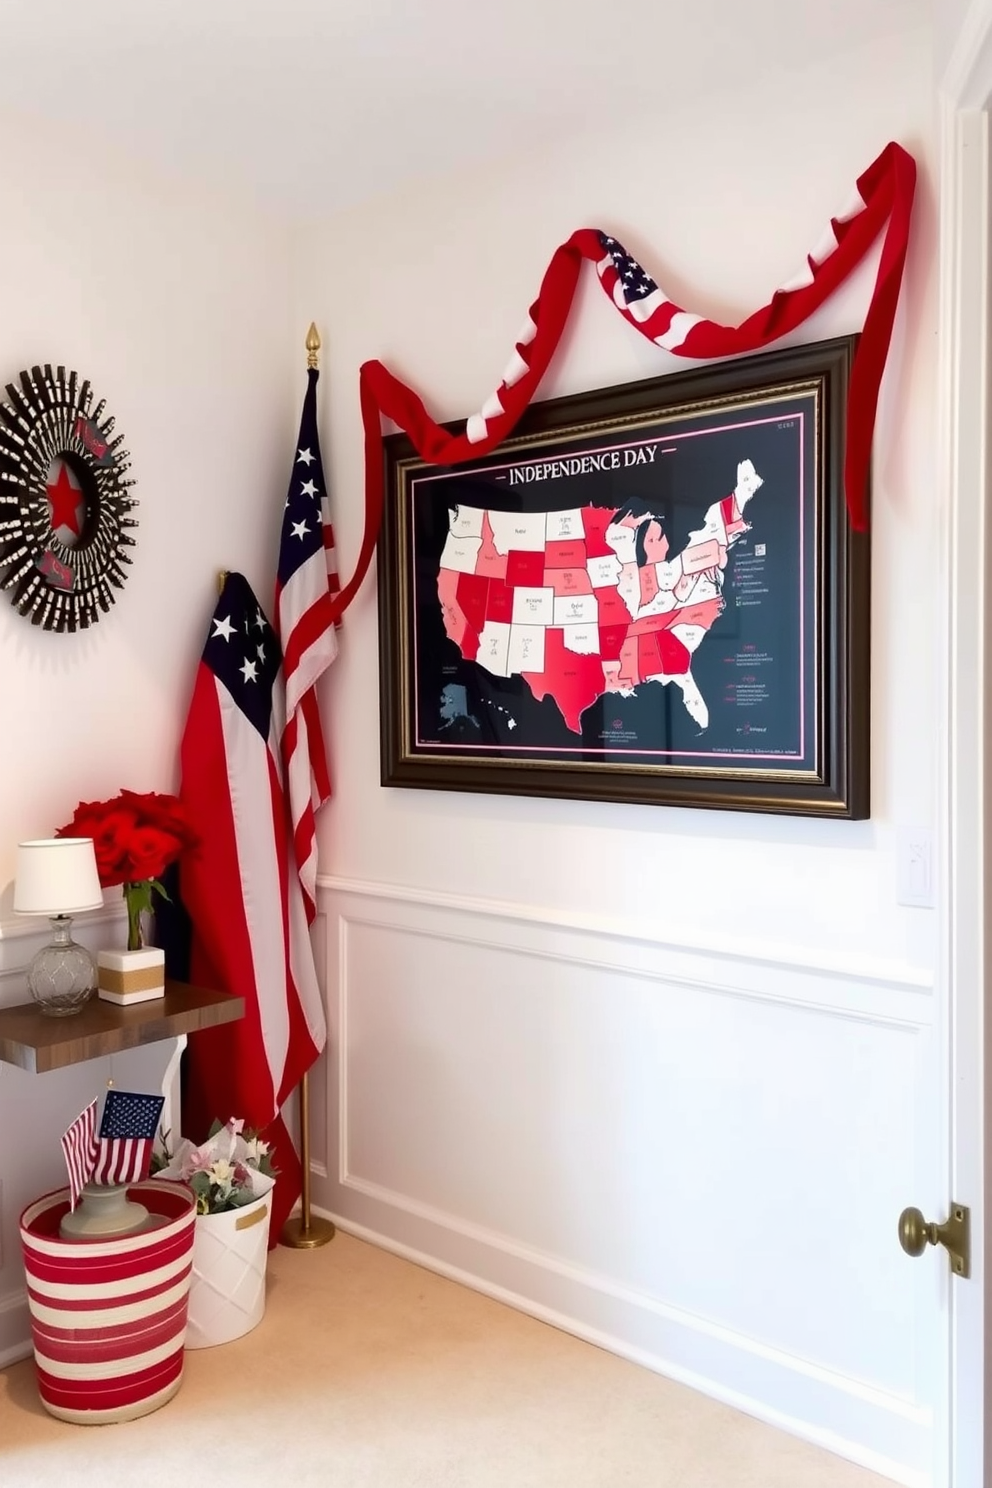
(65, 503)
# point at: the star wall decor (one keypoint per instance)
(66, 509)
(66, 498)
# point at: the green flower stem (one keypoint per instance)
(138, 898)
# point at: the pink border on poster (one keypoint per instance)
(642, 753)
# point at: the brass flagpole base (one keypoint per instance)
(306, 1236)
(305, 1231)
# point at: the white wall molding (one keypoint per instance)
(792, 985)
(22, 935)
(879, 971)
(15, 1328)
(580, 1277)
(373, 935)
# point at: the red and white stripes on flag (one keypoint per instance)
(882, 200)
(304, 621)
(250, 935)
(122, 1160)
(80, 1146)
(93, 1159)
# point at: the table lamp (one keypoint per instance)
(57, 876)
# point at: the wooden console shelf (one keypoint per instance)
(38, 1043)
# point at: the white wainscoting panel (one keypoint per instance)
(694, 1156)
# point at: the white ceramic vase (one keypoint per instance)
(127, 977)
(227, 1291)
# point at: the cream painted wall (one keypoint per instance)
(177, 306)
(614, 1063)
(951, 19)
(722, 204)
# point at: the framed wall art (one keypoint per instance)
(650, 593)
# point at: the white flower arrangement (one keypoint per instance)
(230, 1169)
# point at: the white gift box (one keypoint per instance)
(126, 977)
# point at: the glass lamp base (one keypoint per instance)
(62, 976)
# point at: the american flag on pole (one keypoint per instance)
(250, 935)
(307, 578)
(79, 1147)
(122, 1152)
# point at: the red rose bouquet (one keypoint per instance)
(135, 838)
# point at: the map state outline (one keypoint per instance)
(643, 616)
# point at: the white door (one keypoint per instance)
(964, 1460)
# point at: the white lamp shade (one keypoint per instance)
(57, 875)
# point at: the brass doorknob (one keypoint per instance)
(916, 1233)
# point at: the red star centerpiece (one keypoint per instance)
(65, 499)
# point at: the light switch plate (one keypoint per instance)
(915, 868)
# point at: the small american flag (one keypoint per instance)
(79, 1147)
(127, 1132)
(304, 622)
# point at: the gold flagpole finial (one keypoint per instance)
(313, 345)
(221, 580)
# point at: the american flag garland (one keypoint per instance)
(636, 283)
(880, 204)
(64, 543)
(122, 1150)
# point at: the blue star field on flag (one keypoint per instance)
(126, 1114)
(302, 523)
(243, 651)
(635, 282)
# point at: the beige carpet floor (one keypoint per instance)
(370, 1372)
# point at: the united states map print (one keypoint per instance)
(590, 600)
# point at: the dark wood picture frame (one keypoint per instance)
(771, 710)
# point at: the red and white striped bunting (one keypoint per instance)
(882, 199)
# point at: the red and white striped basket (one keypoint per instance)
(108, 1316)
